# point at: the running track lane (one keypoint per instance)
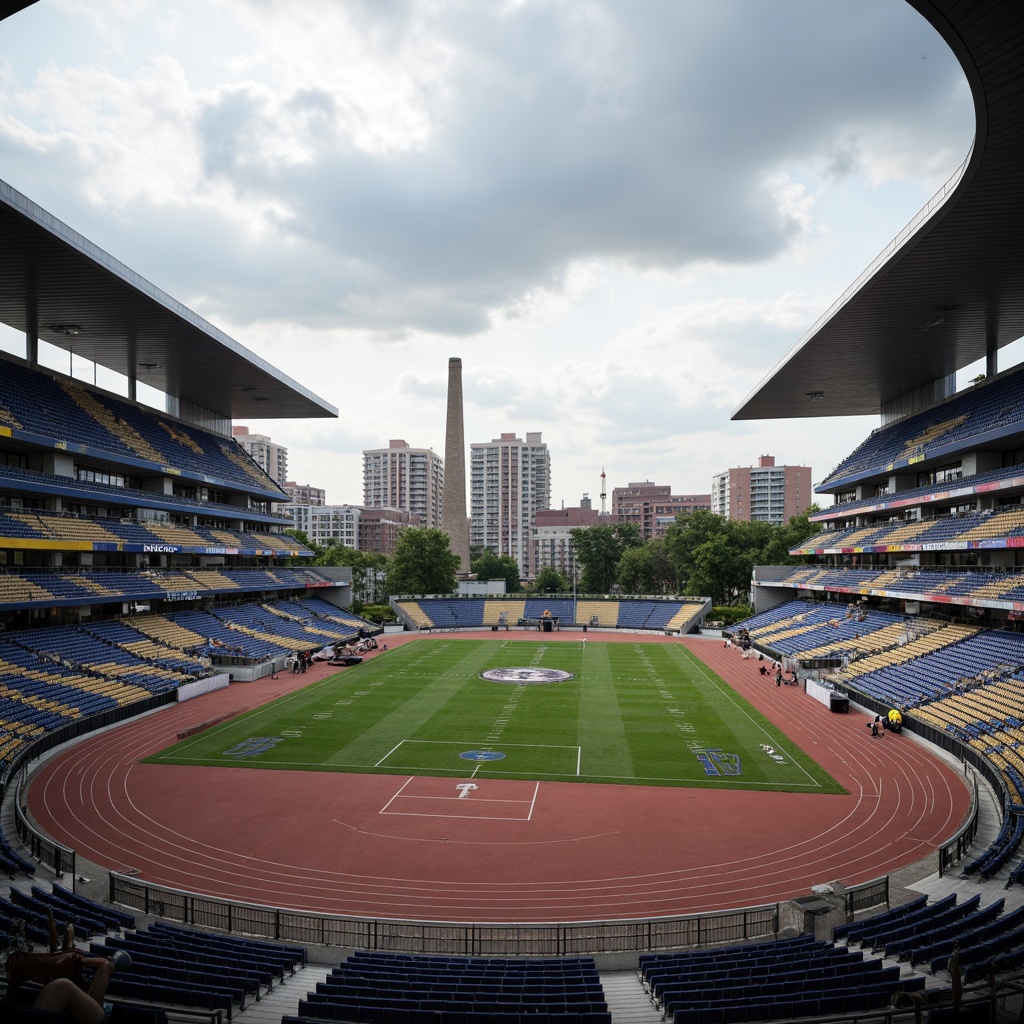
(318, 841)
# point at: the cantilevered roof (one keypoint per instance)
(950, 288)
(58, 286)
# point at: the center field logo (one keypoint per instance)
(526, 676)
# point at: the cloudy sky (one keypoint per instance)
(620, 215)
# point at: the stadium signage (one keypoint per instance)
(163, 549)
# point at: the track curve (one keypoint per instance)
(320, 842)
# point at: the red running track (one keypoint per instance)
(390, 846)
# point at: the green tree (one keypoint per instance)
(367, 570)
(647, 570)
(550, 581)
(422, 563)
(598, 550)
(720, 570)
(686, 535)
(489, 566)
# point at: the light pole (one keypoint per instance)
(572, 551)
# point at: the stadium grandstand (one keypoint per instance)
(912, 597)
(142, 554)
(661, 614)
(140, 547)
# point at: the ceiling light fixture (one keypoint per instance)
(69, 329)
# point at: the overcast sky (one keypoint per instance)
(620, 215)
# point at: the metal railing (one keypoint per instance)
(450, 938)
(867, 895)
(460, 939)
(59, 859)
(953, 851)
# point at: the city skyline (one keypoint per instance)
(620, 220)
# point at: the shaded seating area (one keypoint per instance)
(49, 406)
(12, 862)
(87, 916)
(767, 981)
(409, 989)
(992, 406)
(58, 530)
(180, 967)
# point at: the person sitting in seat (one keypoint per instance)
(84, 1007)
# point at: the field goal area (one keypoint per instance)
(472, 760)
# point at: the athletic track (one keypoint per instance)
(388, 846)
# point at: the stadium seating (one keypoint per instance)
(769, 981)
(44, 406)
(374, 986)
(182, 967)
(55, 531)
(993, 408)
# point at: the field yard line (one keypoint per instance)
(731, 695)
(462, 743)
(432, 772)
(389, 753)
(579, 754)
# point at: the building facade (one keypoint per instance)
(763, 493)
(304, 494)
(653, 507)
(380, 528)
(325, 525)
(510, 481)
(405, 478)
(271, 458)
(552, 536)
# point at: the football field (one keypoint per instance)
(638, 714)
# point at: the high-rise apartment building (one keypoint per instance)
(509, 482)
(653, 507)
(764, 493)
(406, 478)
(271, 458)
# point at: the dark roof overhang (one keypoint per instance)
(947, 291)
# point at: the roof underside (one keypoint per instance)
(53, 279)
(952, 291)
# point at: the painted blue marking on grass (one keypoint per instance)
(253, 746)
(481, 755)
(716, 761)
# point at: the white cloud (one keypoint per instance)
(620, 217)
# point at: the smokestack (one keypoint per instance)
(454, 521)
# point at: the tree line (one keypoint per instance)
(701, 554)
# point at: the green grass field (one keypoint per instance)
(640, 714)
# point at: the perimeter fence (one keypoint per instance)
(460, 939)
